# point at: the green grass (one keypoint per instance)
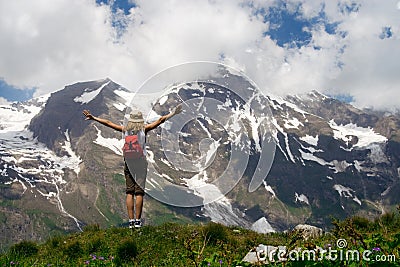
(6, 202)
(3, 218)
(103, 205)
(119, 179)
(162, 214)
(211, 244)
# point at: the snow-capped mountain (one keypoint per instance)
(337, 160)
(41, 179)
(59, 172)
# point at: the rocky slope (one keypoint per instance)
(59, 172)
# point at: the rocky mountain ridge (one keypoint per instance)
(59, 172)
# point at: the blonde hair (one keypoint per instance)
(134, 126)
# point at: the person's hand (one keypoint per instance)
(88, 115)
(177, 109)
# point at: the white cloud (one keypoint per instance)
(4, 101)
(370, 63)
(48, 44)
(163, 34)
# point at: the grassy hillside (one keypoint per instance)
(211, 244)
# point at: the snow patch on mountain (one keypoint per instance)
(73, 159)
(293, 123)
(281, 102)
(310, 139)
(311, 96)
(357, 164)
(366, 136)
(301, 198)
(163, 99)
(311, 157)
(88, 96)
(339, 165)
(216, 205)
(288, 154)
(377, 155)
(208, 149)
(127, 96)
(113, 144)
(119, 106)
(346, 192)
(269, 188)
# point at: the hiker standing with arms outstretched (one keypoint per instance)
(135, 153)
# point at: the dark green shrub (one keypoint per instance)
(94, 245)
(215, 232)
(91, 228)
(73, 250)
(24, 249)
(126, 250)
(388, 218)
(55, 242)
(362, 223)
(390, 221)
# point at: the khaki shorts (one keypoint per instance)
(135, 176)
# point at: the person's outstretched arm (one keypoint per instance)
(151, 126)
(105, 122)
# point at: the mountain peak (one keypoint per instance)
(90, 93)
(330, 160)
(63, 110)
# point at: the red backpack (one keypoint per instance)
(132, 148)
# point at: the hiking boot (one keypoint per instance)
(138, 223)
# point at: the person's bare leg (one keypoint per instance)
(139, 206)
(130, 205)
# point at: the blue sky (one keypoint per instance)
(13, 94)
(124, 5)
(342, 47)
